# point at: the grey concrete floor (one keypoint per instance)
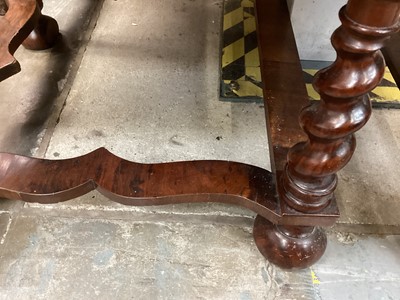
(142, 81)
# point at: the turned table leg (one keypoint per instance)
(305, 182)
(289, 246)
(308, 182)
(45, 34)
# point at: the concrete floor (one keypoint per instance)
(144, 84)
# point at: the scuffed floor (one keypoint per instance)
(143, 83)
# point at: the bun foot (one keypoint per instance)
(289, 247)
(44, 36)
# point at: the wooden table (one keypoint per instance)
(297, 196)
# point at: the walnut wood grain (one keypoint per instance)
(289, 247)
(129, 183)
(45, 34)
(285, 95)
(307, 181)
(310, 177)
(19, 20)
(50, 181)
(290, 201)
(392, 57)
(284, 90)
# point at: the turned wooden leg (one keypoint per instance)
(289, 247)
(44, 35)
(308, 182)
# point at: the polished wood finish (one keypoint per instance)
(310, 179)
(51, 181)
(289, 247)
(307, 181)
(291, 200)
(285, 95)
(392, 57)
(24, 24)
(45, 34)
(15, 26)
(129, 183)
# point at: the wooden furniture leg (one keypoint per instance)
(45, 34)
(392, 57)
(293, 199)
(309, 178)
(285, 95)
(15, 26)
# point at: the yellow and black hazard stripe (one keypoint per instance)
(386, 94)
(240, 76)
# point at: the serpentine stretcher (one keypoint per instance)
(291, 200)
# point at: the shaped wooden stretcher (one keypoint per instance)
(15, 25)
(290, 201)
(24, 24)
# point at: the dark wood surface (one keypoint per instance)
(23, 23)
(392, 57)
(284, 90)
(309, 180)
(297, 195)
(50, 181)
(45, 34)
(306, 174)
(285, 95)
(289, 247)
(129, 183)
(284, 86)
(15, 26)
